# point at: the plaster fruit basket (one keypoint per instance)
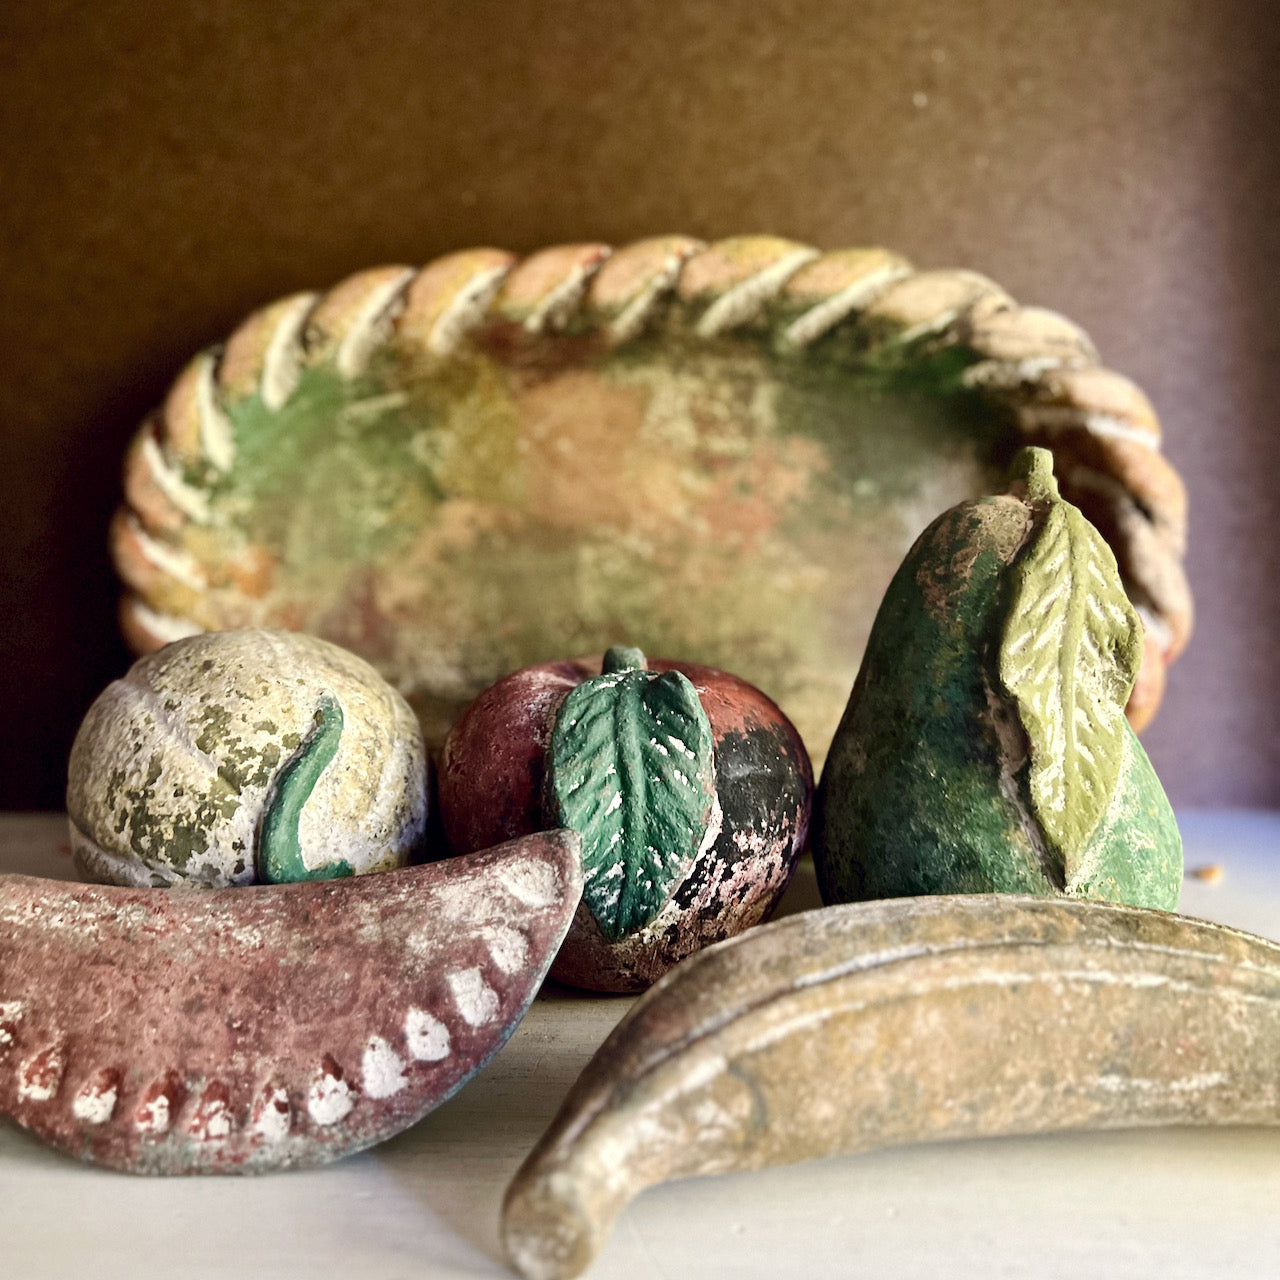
(720, 452)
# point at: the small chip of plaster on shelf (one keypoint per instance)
(1208, 873)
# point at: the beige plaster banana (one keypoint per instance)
(900, 1021)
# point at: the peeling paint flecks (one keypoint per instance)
(381, 1070)
(477, 1001)
(330, 1098)
(426, 1036)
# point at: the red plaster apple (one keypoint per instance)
(690, 787)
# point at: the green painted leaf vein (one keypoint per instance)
(631, 770)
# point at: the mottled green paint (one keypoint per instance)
(151, 833)
(926, 787)
(909, 800)
(1135, 854)
(441, 563)
(239, 764)
(631, 769)
(280, 858)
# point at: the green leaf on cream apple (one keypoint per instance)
(631, 769)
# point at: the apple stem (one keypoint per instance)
(623, 657)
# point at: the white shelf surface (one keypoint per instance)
(1171, 1204)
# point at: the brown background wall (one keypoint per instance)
(165, 168)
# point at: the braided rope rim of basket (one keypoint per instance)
(1038, 369)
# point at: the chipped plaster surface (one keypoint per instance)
(175, 763)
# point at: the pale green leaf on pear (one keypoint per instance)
(1069, 654)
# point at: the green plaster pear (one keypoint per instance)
(984, 747)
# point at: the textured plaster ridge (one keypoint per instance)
(745, 300)
(1008, 375)
(631, 321)
(177, 563)
(373, 324)
(189, 500)
(824, 317)
(217, 435)
(282, 360)
(466, 310)
(167, 627)
(943, 320)
(1152, 625)
(1053, 418)
(554, 309)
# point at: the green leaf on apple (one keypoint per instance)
(631, 769)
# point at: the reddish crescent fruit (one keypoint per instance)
(236, 1030)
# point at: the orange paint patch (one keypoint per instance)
(751, 497)
(577, 436)
(254, 571)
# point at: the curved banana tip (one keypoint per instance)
(547, 1234)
